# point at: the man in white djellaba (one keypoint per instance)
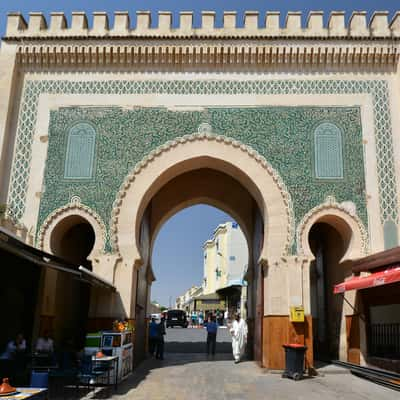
(239, 337)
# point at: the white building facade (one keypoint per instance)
(226, 257)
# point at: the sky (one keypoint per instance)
(178, 255)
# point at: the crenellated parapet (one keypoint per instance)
(57, 43)
(358, 27)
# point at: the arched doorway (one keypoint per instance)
(212, 187)
(72, 239)
(328, 245)
(209, 169)
(331, 236)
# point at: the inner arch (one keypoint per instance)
(198, 180)
(202, 186)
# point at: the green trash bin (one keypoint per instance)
(294, 361)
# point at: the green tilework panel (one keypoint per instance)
(377, 89)
(80, 152)
(328, 152)
(283, 135)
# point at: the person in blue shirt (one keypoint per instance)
(212, 329)
(153, 336)
(160, 339)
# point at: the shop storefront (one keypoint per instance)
(21, 295)
(377, 281)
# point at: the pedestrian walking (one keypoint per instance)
(212, 329)
(239, 337)
(201, 318)
(153, 335)
(226, 315)
(194, 319)
(160, 339)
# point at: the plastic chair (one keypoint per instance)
(86, 374)
(39, 379)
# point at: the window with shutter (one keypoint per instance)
(80, 152)
(328, 151)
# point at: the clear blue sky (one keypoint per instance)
(46, 6)
(178, 255)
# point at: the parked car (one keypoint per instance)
(176, 318)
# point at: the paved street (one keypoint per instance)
(195, 376)
(192, 340)
(192, 376)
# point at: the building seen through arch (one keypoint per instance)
(293, 131)
(224, 285)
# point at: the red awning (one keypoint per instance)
(385, 277)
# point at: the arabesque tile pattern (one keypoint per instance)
(284, 135)
(256, 127)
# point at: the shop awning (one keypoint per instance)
(389, 275)
(96, 279)
(38, 257)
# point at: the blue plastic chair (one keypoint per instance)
(39, 379)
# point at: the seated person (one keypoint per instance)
(44, 350)
(14, 348)
(13, 360)
(45, 344)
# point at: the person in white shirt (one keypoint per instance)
(45, 344)
(239, 337)
(226, 315)
(14, 347)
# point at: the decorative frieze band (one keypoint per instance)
(370, 55)
(357, 27)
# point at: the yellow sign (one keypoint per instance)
(297, 314)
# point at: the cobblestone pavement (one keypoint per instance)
(194, 376)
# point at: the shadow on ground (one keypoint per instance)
(182, 346)
(140, 373)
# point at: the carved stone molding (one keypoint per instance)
(273, 54)
(74, 207)
(204, 136)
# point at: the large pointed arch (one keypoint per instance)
(192, 152)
